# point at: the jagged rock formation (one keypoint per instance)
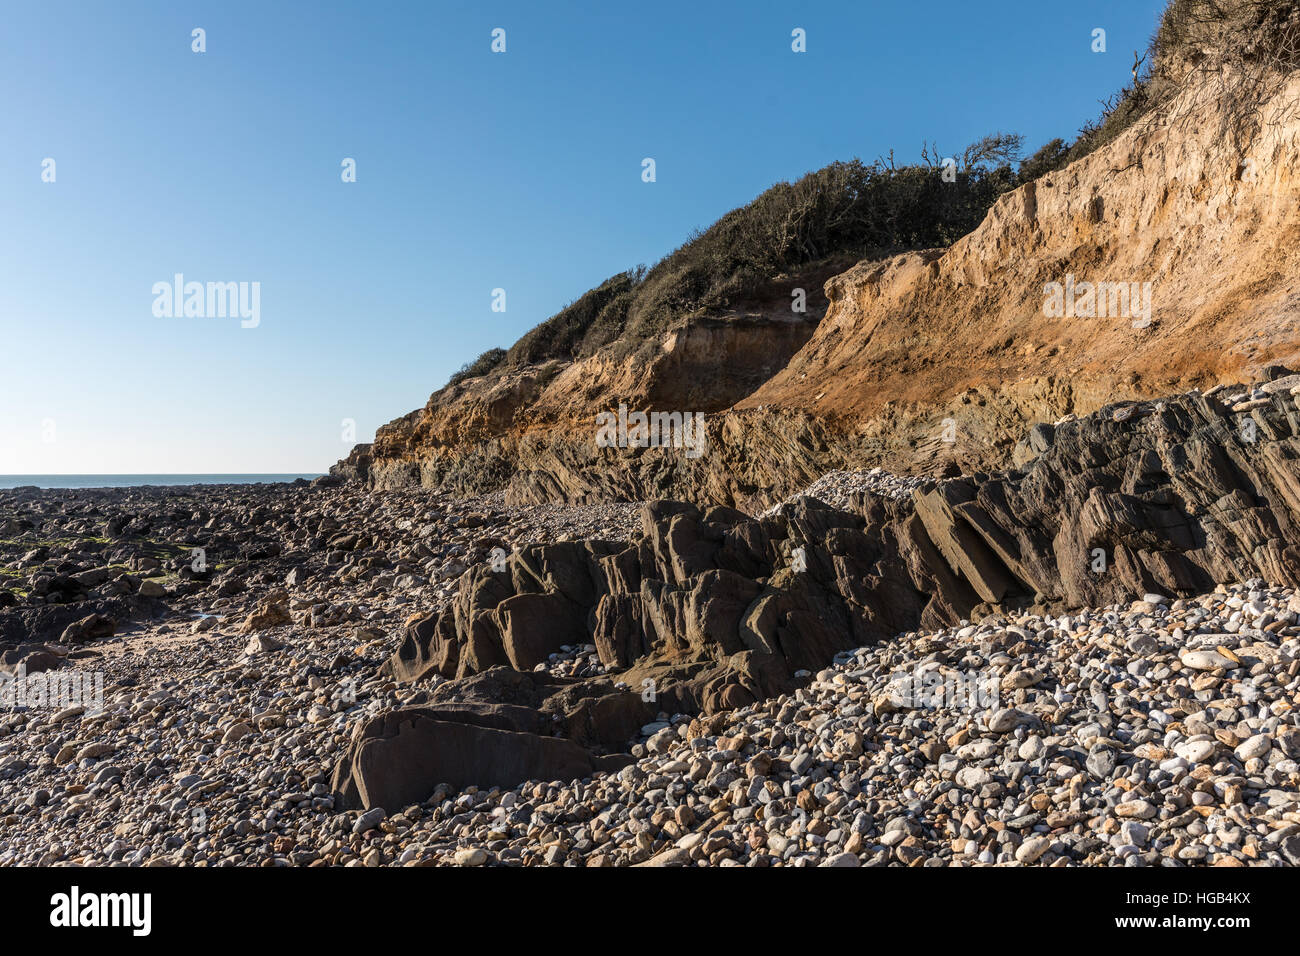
(355, 467)
(911, 341)
(718, 609)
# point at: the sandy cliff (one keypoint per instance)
(927, 361)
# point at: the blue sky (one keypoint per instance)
(475, 171)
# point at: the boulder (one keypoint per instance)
(400, 757)
(534, 626)
(92, 627)
(272, 612)
(29, 660)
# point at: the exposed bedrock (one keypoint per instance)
(718, 609)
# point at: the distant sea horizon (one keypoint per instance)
(139, 481)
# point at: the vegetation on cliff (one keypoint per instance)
(848, 210)
(854, 210)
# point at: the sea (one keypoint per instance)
(136, 481)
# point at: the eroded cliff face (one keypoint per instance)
(533, 430)
(1211, 229)
(927, 362)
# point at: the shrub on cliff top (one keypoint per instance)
(855, 209)
(1243, 48)
(581, 326)
(480, 366)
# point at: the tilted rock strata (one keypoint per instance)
(719, 610)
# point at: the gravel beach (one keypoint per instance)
(1157, 733)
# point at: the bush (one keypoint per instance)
(596, 316)
(480, 366)
(1049, 157)
(1245, 47)
(855, 209)
(844, 209)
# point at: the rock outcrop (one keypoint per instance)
(712, 610)
(49, 621)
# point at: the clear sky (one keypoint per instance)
(474, 171)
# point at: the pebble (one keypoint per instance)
(369, 820)
(1195, 751)
(1032, 849)
(1205, 660)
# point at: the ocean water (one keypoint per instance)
(135, 481)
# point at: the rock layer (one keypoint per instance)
(713, 609)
